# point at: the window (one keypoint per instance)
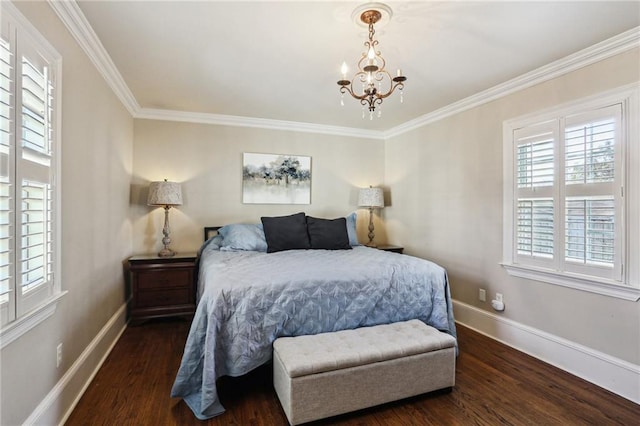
(570, 197)
(28, 167)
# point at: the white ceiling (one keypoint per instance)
(281, 60)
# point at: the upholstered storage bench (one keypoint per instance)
(328, 374)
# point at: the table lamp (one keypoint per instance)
(165, 194)
(371, 198)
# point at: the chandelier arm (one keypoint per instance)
(344, 89)
(383, 65)
(381, 74)
(361, 76)
(393, 88)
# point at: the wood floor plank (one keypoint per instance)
(495, 385)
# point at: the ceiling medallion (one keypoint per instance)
(372, 75)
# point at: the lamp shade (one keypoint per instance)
(164, 193)
(371, 197)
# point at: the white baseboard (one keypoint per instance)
(56, 407)
(616, 375)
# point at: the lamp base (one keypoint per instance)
(165, 252)
(371, 244)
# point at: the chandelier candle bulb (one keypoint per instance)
(399, 72)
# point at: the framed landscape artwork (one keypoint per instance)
(276, 179)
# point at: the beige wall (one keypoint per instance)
(207, 159)
(446, 181)
(97, 139)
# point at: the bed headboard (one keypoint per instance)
(210, 231)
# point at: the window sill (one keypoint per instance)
(25, 323)
(575, 281)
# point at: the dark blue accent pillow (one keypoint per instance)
(328, 234)
(286, 232)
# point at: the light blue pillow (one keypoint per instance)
(243, 236)
(351, 229)
(213, 243)
(216, 241)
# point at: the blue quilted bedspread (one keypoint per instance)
(248, 299)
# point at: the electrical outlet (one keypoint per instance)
(499, 297)
(482, 295)
(59, 355)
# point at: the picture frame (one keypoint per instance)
(276, 178)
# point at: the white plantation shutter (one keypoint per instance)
(590, 231)
(535, 228)
(34, 253)
(7, 158)
(566, 194)
(535, 157)
(593, 203)
(27, 173)
(35, 104)
(535, 176)
(590, 150)
(34, 173)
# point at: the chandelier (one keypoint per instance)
(372, 75)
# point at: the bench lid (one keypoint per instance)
(319, 353)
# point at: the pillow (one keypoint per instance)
(286, 232)
(243, 236)
(213, 243)
(351, 229)
(328, 234)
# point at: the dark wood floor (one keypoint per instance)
(495, 385)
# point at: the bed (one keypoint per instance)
(248, 297)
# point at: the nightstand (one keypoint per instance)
(394, 249)
(162, 286)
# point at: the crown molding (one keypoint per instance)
(262, 123)
(70, 14)
(615, 45)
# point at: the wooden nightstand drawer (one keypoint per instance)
(177, 296)
(161, 279)
(162, 287)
